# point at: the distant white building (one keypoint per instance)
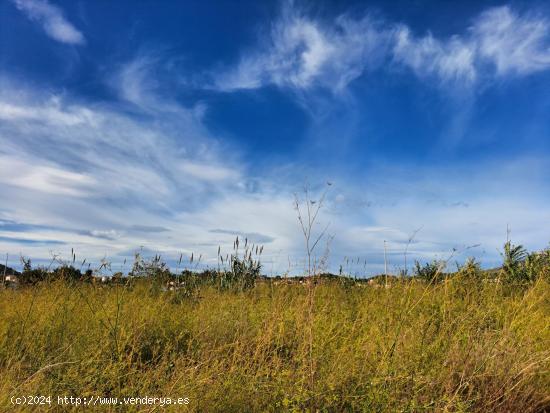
(10, 281)
(12, 278)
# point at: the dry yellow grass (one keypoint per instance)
(457, 346)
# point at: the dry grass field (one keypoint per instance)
(458, 345)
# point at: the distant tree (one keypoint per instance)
(430, 271)
(30, 275)
(537, 264)
(66, 272)
(470, 269)
(513, 262)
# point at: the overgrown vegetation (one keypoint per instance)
(232, 341)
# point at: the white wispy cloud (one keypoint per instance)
(450, 61)
(300, 52)
(110, 183)
(103, 179)
(208, 172)
(515, 44)
(500, 42)
(50, 113)
(134, 81)
(43, 177)
(51, 19)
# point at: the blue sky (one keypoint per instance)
(175, 126)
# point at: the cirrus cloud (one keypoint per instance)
(52, 20)
(301, 53)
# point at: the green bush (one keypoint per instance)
(430, 271)
(471, 269)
